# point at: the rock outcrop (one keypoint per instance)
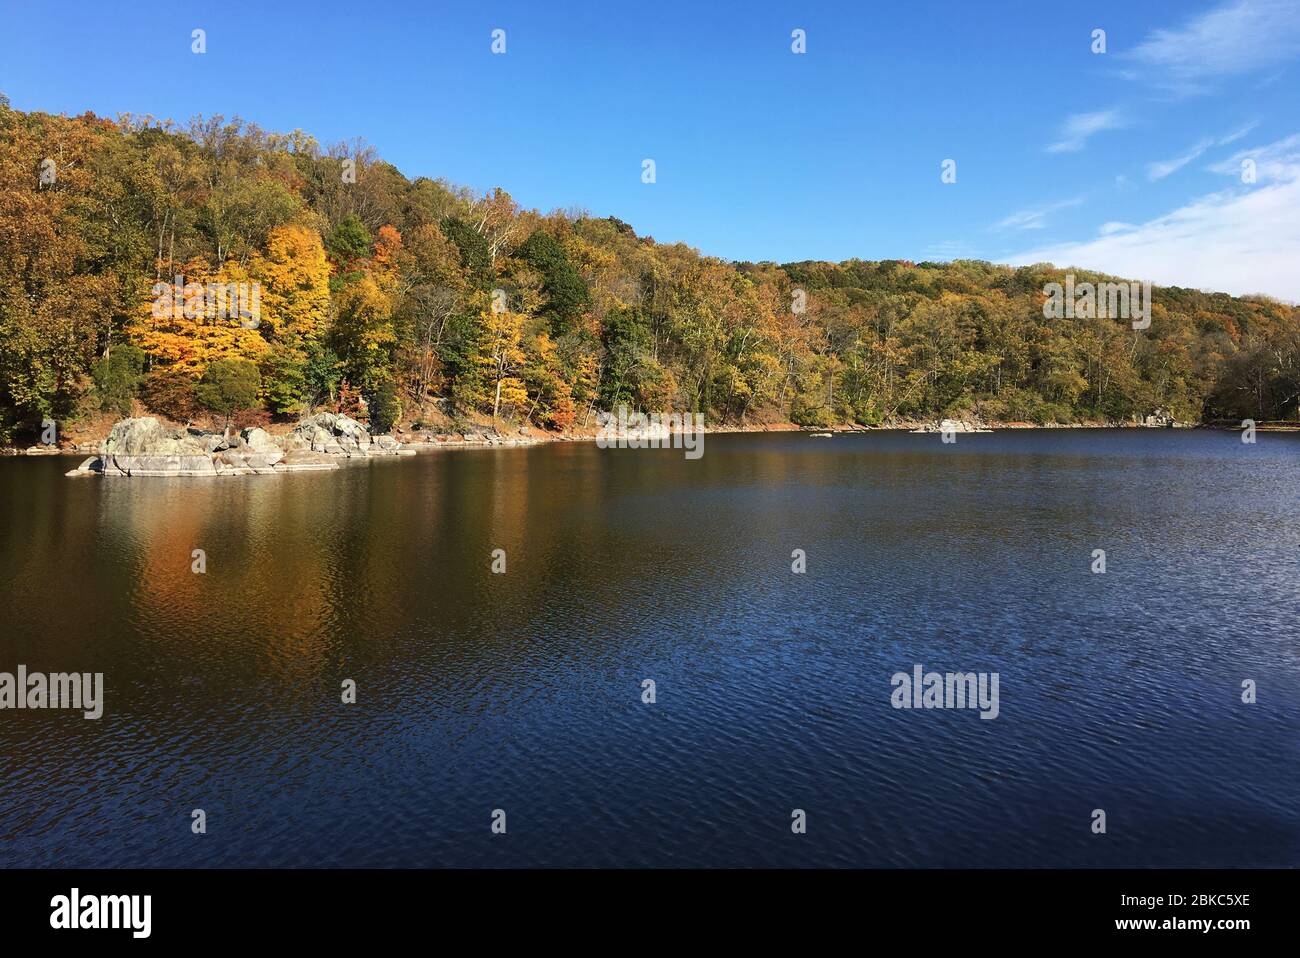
(953, 426)
(145, 447)
(332, 434)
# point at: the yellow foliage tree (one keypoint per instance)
(201, 317)
(502, 358)
(295, 275)
(364, 322)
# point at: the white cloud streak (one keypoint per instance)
(1033, 218)
(1162, 168)
(1079, 128)
(1244, 239)
(1238, 37)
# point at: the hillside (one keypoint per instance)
(419, 300)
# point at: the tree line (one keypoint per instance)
(415, 300)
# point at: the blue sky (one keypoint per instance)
(1127, 160)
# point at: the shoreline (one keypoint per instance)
(536, 437)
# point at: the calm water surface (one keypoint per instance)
(523, 691)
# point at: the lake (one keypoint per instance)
(523, 691)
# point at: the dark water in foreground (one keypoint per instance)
(523, 691)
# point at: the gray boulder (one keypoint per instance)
(258, 439)
(331, 434)
(146, 436)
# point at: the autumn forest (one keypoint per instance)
(415, 300)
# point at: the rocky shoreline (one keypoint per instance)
(145, 447)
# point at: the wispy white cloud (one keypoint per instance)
(1241, 36)
(1162, 168)
(1035, 217)
(1273, 161)
(1078, 128)
(1244, 239)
